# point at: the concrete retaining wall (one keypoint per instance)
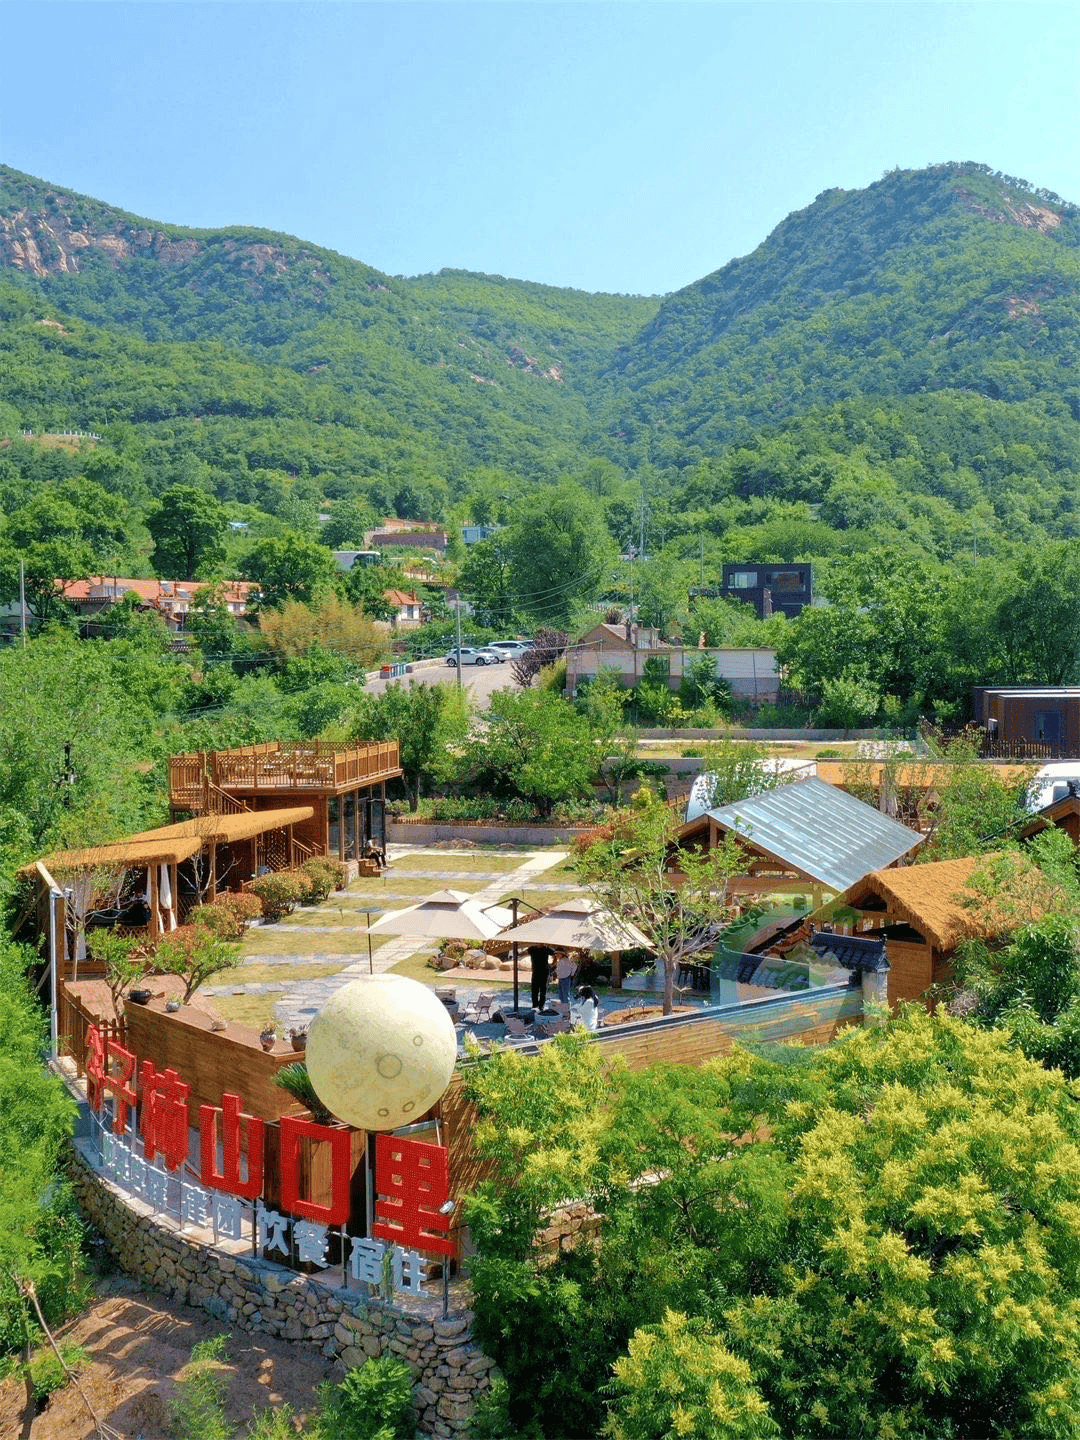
(238, 1289)
(480, 832)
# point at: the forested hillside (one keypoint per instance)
(893, 365)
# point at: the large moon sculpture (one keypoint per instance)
(381, 1051)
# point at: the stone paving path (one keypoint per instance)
(301, 1001)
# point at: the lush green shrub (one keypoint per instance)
(224, 919)
(280, 892)
(324, 876)
(371, 1403)
(46, 1373)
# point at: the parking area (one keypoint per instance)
(479, 681)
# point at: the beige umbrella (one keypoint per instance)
(580, 924)
(446, 915)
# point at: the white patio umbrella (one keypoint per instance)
(446, 915)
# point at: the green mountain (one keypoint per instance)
(897, 362)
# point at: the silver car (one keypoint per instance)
(473, 655)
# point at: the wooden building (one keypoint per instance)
(920, 912)
(1028, 722)
(343, 784)
(148, 882)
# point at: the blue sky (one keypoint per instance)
(623, 147)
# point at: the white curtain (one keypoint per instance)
(165, 896)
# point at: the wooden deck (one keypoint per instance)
(197, 780)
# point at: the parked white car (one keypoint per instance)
(1052, 783)
(510, 649)
(474, 655)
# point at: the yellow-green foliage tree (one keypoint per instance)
(333, 624)
(879, 1238)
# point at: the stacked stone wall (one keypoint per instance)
(449, 1370)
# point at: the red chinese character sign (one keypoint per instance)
(164, 1115)
(293, 1131)
(228, 1178)
(413, 1180)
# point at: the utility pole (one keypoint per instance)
(22, 599)
(701, 538)
(457, 613)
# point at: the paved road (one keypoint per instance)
(478, 680)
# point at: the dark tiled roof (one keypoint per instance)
(853, 952)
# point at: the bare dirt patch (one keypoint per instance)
(139, 1342)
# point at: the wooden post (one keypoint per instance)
(616, 968)
(174, 887)
(211, 893)
(155, 918)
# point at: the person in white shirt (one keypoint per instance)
(588, 1008)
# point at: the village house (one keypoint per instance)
(752, 674)
(409, 608)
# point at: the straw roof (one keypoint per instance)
(226, 829)
(928, 897)
(124, 855)
(169, 844)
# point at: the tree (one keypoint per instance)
(291, 568)
(629, 869)
(559, 550)
(602, 700)
(734, 769)
(331, 625)
(39, 1243)
(485, 579)
(349, 521)
(366, 586)
(188, 527)
(548, 647)
(876, 1237)
(536, 742)
(663, 589)
(429, 722)
(195, 956)
(212, 625)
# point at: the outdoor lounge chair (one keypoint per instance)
(515, 1028)
(557, 1027)
(479, 1010)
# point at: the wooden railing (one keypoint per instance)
(73, 1020)
(198, 780)
(1025, 750)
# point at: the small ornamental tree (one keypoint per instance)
(194, 954)
(678, 898)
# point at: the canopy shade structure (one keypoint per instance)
(227, 829)
(580, 924)
(811, 829)
(132, 854)
(446, 915)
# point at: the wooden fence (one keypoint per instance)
(73, 1020)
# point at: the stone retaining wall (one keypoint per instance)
(238, 1289)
